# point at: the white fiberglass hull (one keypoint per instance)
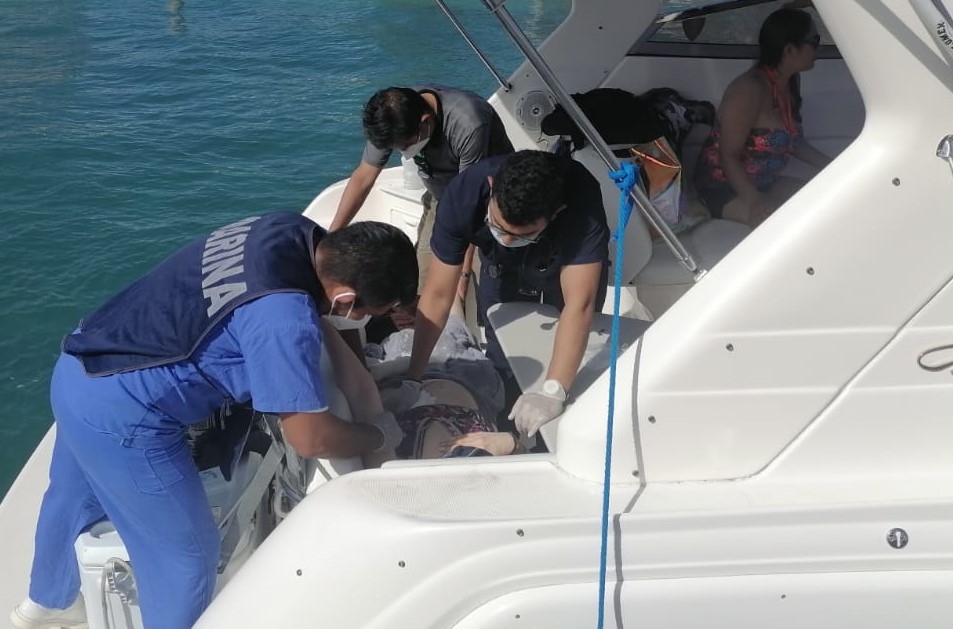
(18, 516)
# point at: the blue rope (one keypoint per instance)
(625, 179)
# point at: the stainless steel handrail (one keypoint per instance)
(938, 22)
(466, 36)
(600, 146)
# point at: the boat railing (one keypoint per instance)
(476, 49)
(549, 78)
(939, 23)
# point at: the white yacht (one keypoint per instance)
(781, 442)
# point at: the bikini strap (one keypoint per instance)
(783, 105)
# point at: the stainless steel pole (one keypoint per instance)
(466, 36)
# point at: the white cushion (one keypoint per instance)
(708, 243)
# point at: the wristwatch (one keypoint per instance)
(554, 389)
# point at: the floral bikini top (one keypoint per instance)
(767, 150)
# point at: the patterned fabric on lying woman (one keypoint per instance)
(457, 420)
(456, 357)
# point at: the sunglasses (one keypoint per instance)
(813, 40)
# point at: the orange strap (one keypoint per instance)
(783, 105)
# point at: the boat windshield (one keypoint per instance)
(669, 6)
(716, 28)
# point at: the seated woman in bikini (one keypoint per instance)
(759, 126)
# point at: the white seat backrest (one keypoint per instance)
(638, 245)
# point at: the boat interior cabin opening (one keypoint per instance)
(696, 49)
(697, 52)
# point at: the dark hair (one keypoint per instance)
(784, 26)
(393, 115)
(377, 260)
(529, 186)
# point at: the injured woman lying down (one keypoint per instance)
(448, 413)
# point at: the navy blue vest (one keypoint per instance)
(162, 317)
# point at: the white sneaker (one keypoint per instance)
(30, 615)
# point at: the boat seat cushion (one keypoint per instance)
(526, 331)
(708, 242)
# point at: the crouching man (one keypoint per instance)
(540, 226)
(231, 316)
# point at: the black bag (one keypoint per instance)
(678, 114)
(621, 117)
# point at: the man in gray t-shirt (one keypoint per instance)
(444, 130)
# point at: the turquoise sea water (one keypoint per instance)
(128, 127)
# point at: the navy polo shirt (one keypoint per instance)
(578, 235)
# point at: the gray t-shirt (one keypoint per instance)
(468, 130)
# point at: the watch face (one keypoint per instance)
(551, 387)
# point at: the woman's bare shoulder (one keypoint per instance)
(749, 87)
(749, 83)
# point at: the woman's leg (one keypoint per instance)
(777, 195)
(783, 189)
(739, 210)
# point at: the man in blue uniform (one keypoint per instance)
(540, 226)
(232, 316)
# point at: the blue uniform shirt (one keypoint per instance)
(267, 350)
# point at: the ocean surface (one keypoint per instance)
(129, 127)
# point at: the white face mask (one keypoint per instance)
(499, 235)
(413, 149)
(345, 322)
(515, 244)
(416, 147)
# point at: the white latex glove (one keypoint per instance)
(532, 410)
(387, 424)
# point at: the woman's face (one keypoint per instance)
(802, 53)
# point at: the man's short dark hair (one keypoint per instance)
(392, 116)
(529, 186)
(377, 260)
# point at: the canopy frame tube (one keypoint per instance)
(476, 49)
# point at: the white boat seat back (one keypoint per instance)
(638, 244)
(650, 266)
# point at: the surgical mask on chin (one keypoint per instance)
(344, 322)
(516, 244)
(413, 149)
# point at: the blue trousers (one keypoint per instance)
(145, 484)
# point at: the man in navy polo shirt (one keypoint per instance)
(231, 316)
(540, 226)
